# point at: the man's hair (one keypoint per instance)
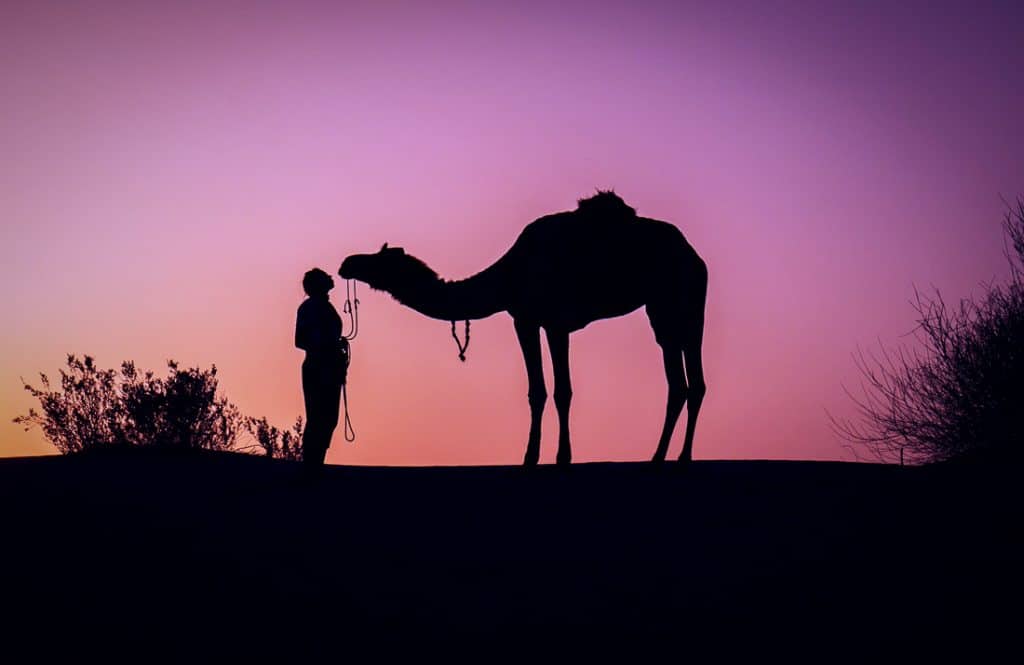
(317, 282)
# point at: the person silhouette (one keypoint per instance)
(318, 333)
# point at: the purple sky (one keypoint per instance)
(171, 169)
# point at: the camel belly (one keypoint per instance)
(565, 308)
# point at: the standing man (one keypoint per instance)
(318, 333)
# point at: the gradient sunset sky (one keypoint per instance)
(169, 170)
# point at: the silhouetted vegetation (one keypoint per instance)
(960, 395)
(275, 442)
(94, 409)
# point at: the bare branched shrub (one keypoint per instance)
(960, 395)
(97, 408)
(86, 412)
(274, 442)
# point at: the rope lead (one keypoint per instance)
(350, 433)
(351, 308)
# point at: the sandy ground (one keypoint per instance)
(153, 556)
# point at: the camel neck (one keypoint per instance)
(475, 297)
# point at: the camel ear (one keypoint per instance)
(383, 247)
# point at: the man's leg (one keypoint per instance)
(311, 455)
(323, 415)
(311, 434)
(331, 412)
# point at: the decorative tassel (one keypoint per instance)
(462, 347)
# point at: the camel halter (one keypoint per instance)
(351, 307)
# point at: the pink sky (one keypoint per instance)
(170, 170)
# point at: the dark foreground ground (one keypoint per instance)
(151, 556)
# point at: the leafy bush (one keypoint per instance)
(104, 408)
(960, 395)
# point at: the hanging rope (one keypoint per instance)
(350, 433)
(462, 347)
(351, 308)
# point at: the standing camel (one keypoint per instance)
(564, 271)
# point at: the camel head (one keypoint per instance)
(390, 269)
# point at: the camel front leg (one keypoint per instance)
(558, 343)
(529, 341)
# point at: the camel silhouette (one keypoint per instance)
(565, 271)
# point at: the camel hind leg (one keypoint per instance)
(676, 396)
(679, 331)
(697, 389)
(693, 341)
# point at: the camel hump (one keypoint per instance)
(605, 205)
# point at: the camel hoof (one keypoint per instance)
(658, 459)
(563, 462)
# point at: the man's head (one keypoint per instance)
(316, 282)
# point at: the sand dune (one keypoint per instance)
(222, 555)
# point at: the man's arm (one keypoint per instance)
(301, 331)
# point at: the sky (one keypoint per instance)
(170, 170)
